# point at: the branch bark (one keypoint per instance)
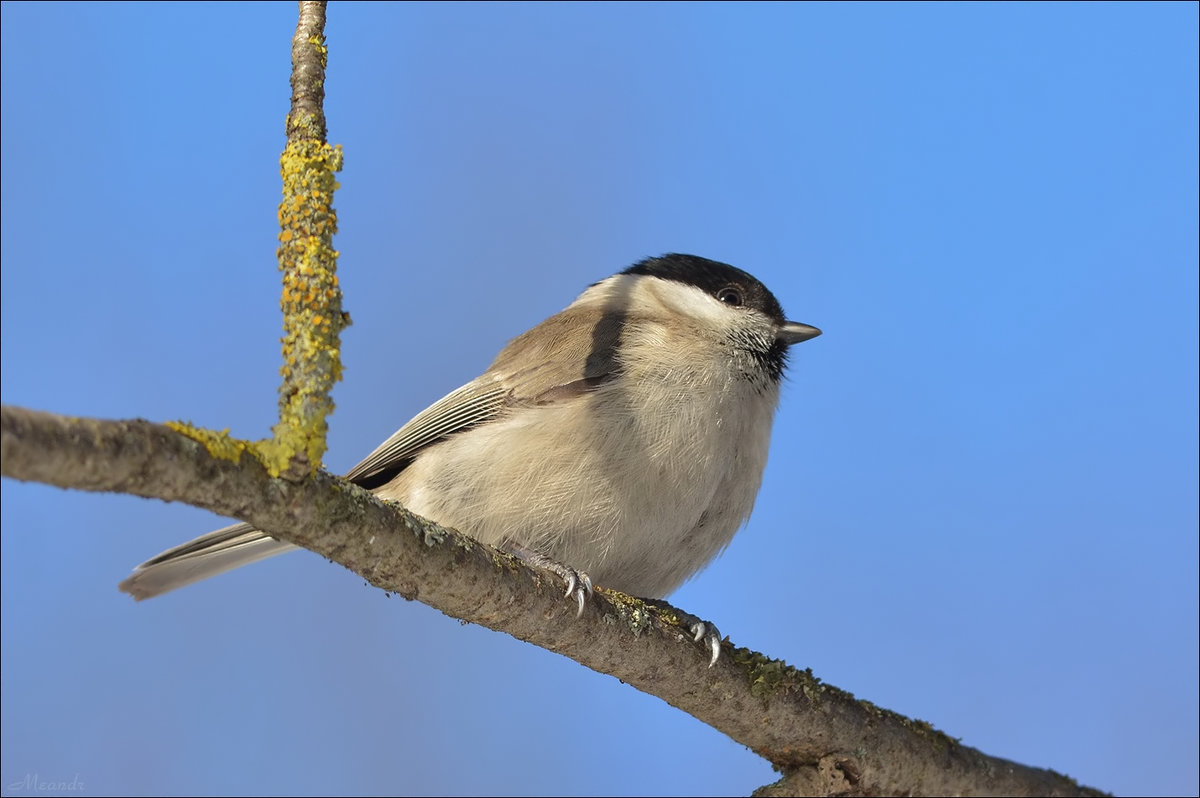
(824, 740)
(311, 300)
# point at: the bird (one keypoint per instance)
(621, 441)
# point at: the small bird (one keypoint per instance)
(622, 440)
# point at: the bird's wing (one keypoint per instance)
(478, 401)
(566, 356)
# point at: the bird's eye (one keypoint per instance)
(730, 296)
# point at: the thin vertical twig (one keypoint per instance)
(311, 299)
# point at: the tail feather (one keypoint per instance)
(207, 555)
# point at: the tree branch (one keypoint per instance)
(825, 740)
(311, 300)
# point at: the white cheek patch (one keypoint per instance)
(694, 303)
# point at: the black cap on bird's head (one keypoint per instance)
(729, 285)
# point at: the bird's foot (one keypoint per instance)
(703, 632)
(579, 584)
(707, 635)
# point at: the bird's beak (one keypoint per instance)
(793, 332)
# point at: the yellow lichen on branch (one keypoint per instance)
(311, 299)
(217, 444)
(311, 302)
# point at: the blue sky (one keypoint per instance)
(981, 503)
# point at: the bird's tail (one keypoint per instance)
(207, 555)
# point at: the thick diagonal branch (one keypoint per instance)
(823, 738)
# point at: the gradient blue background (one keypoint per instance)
(981, 504)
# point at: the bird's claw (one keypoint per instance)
(711, 637)
(703, 632)
(579, 584)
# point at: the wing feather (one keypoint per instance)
(459, 410)
(565, 357)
